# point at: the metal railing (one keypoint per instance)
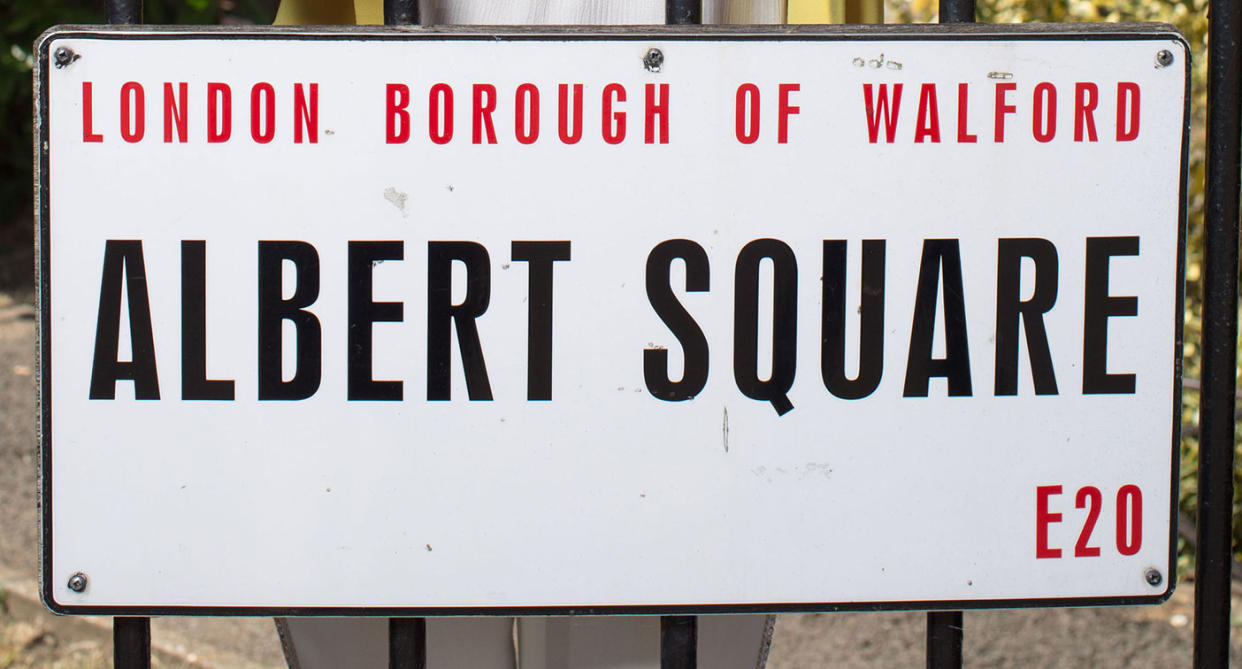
(1213, 578)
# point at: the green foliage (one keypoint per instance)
(21, 22)
(208, 12)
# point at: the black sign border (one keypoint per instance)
(861, 33)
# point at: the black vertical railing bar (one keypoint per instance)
(944, 628)
(944, 639)
(131, 637)
(131, 643)
(123, 11)
(957, 11)
(1219, 336)
(400, 12)
(407, 643)
(407, 637)
(683, 12)
(679, 642)
(679, 635)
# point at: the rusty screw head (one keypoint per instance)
(1164, 58)
(653, 60)
(1154, 577)
(77, 582)
(63, 57)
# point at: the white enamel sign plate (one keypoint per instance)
(482, 322)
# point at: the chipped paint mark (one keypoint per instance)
(428, 547)
(801, 471)
(504, 266)
(724, 429)
(1000, 75)
(329, 131)
(450, 187)
(397, 198)
(876, 63)
(817, 467)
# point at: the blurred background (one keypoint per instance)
(21, 22)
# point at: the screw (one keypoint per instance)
(653, 60)
(64, 56)
(1164, 58)
(1154, 577)
(77, 582)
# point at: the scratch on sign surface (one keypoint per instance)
(1000, 75)
(724, 429)
(397, 198)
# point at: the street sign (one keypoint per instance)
(364, 322)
